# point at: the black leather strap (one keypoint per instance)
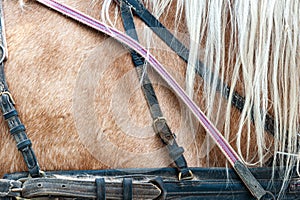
(100, 188)
(211, 183)
(160, 124)
(17, 129)
(183, 52)
(6, 188)
(85, 188)
(127, 189)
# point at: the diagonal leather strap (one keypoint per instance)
(159, 122)
(183, 52)
(249, 180)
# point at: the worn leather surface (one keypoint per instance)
(160, 125)
(208, 183)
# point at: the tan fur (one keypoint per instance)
(46, 52)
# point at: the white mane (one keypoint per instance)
(254, 48)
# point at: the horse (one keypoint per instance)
(78, 94)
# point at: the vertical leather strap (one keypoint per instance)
(17, 129)
(159, 122)
(100, 189)
(127, 189)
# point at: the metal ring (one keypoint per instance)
(42, 173)
(2, 58)
(268, 193)
(191, 176)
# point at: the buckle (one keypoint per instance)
(10, 96)
(157, 120)
(162, 129)
(188, 175)
(21, 198)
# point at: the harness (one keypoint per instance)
(165, 183)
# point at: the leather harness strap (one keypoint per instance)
(88, 187)
(100, 189)
(91, 188)
(183, 52)
(159, 122)
(225, 147)
(127, 189)
(6, 187)
(16, 128)
(209, 183)
(151, 185)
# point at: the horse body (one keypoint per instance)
(78, 94)
(29, 38)
(46, 54)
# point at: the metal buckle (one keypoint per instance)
(10, 96)
(21, 198)
(157, 120)
(188, 177)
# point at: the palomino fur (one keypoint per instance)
(53, 63)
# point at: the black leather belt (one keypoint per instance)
(209, 183)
